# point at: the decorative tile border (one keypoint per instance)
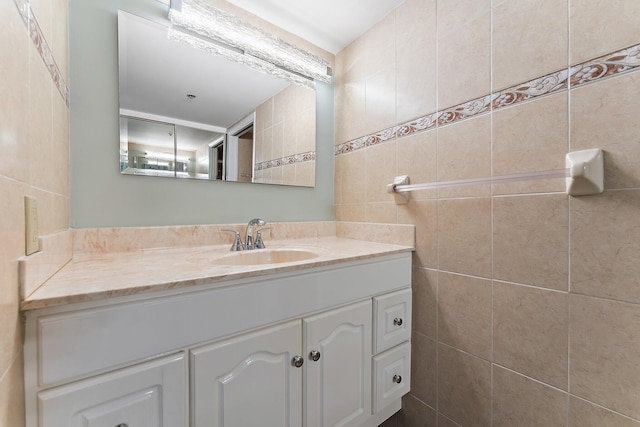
(609, 65)
(464, 111)
(417, 125)
(40, 43)
(350, 146)
(532, 89)
(288, 160)
(613, 64)
(23, 8)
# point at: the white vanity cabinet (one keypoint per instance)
(225, 354)
(151, 394)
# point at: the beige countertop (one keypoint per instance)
(97, 276)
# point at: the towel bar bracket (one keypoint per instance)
(400, 198)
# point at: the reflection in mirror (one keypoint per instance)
(285, 137)
(187, 113)
(154, 148)
(245, 154)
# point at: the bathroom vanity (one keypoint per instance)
(323, 341)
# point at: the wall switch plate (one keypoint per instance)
(31, 225)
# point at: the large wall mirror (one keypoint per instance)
(187, 113)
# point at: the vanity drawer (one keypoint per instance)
(392, 320)
(391, 375)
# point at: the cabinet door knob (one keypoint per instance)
(397, 379)
(397, 321)
(297, 361)
(314, 355)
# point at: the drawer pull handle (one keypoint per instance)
(297, 361)
(397, 379)
(123, 425)
(314, 355)
(397, 321)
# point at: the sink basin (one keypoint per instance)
(265, 256)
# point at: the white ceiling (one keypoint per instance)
(329, 24)
(160, 135)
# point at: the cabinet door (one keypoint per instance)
(338, 384)
(151, 394)
(249, 380)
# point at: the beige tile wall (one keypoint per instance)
(285, 126)
(34, 137)
(526, 301)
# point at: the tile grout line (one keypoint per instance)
(569, 93)
(467, 353)
(609, 299)
(437, 206)
(395, 58)
(533, 287)
(524, 285)
(492, 225)
(575, 396)
(506, 368)
(10, 366)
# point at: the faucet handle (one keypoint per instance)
(237, 245)
(259, 242)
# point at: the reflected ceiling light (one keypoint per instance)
(166, 156)
(218, 32)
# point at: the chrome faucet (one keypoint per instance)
(250, 237)
(259, 243)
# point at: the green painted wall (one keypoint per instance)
(101, 197)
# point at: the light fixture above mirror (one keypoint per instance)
(216, 31)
